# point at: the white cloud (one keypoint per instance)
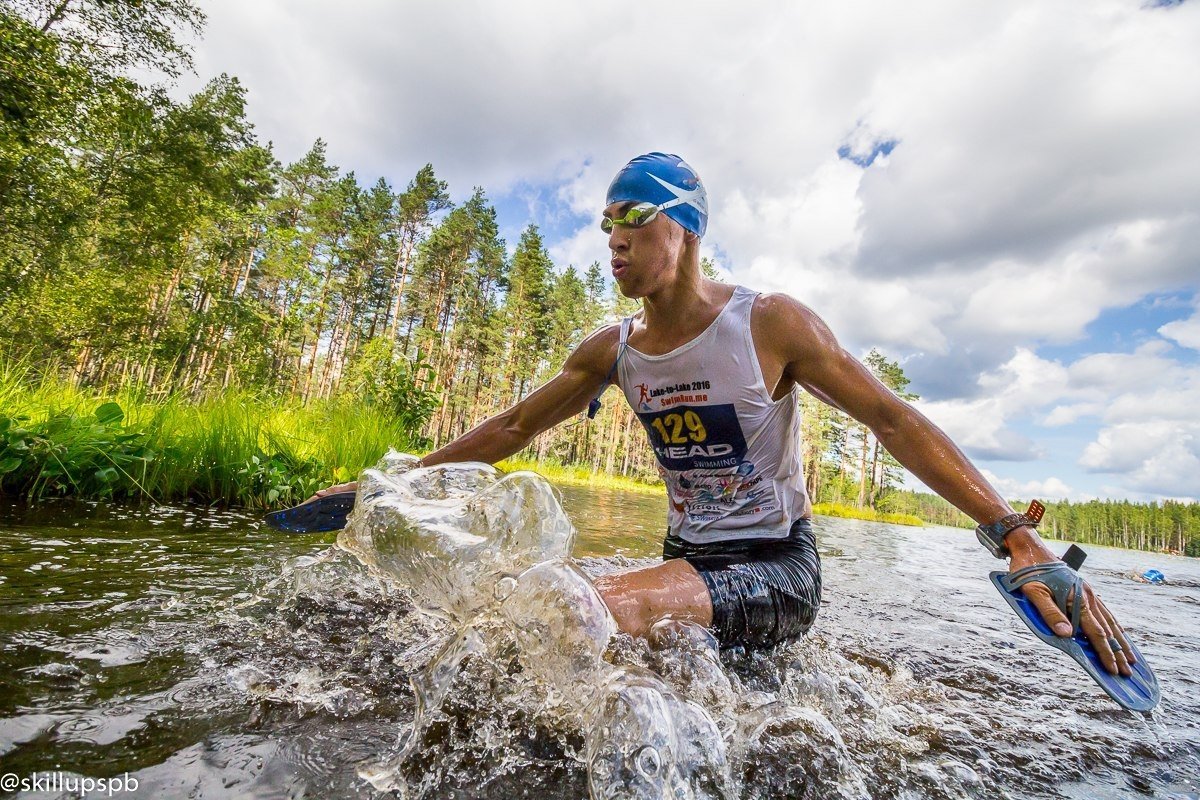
(1120, 372)
(1069, 413)
(1028, 133)
(981, 425)
(1184, 332)
(1044, 168)
(1123, 448)
(1159, 458)
(1048, 489)
(580, 249)
(1145, 402)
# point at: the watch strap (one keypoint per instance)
(992, 534)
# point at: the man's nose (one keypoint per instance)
(618, 238)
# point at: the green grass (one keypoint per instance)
(234, 449)
(582, 476)
(869, 514)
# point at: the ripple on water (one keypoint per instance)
(896, 693)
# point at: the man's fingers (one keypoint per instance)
(1097, 632)
(341, 487)
(1114, 637)
(1096, 622)
(1040, 596)
(1117, 630)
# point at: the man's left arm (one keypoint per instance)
(814, 359)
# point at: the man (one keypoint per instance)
(717, 369)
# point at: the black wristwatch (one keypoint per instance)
(992, 535)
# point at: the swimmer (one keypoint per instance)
(713, 372)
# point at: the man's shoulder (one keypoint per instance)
(598, 349)
(782, 322)
(607, 335)
(777, 308)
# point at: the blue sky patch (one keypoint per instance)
(864, 160)
(1122, 330)
(540, 204)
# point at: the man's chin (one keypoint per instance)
(629, 290)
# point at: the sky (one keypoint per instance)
(1003, 197)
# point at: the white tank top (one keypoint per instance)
(729, 455)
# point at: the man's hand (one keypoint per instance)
(352, 486)
(1097, 622)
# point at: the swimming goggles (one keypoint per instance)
(639, 214)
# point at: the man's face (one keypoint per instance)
(645, 258)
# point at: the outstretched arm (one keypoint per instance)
(831, 374)
(814, 359)
(566, 394)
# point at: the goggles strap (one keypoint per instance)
(594, 406)
(678, 201)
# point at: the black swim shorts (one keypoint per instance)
(764, 591)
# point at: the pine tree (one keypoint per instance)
(415, 210)
(526, 312)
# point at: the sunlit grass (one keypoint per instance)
(868, 514)
(233, 449)
(582, 476)
(236, 448)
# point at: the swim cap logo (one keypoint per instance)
(695, 197)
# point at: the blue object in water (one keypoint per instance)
(326, 513)
(1139, 692)
(1154, 576)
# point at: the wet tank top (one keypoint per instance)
(729, 455)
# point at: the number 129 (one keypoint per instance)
(672, 428)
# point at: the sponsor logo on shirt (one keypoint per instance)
(686, 437)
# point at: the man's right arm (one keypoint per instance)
(566, 394)
(582, 376)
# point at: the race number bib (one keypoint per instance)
(695, 437)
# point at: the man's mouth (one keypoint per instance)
(618, 266)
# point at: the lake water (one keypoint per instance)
(207, 656)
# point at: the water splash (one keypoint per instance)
(490, 555)
(487, 555)
(645, 741)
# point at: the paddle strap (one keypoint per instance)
(1060, 579)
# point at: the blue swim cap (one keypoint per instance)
(660, 178)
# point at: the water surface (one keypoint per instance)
(210, 657)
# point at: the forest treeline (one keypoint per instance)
(163, 246)
(153, 243)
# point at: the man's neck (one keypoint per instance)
(676, 313)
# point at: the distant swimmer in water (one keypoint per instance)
(1149, 576)
(713, 372)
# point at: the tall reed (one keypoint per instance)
(237, 448)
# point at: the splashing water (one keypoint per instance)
(489, 554)
(646, 741)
